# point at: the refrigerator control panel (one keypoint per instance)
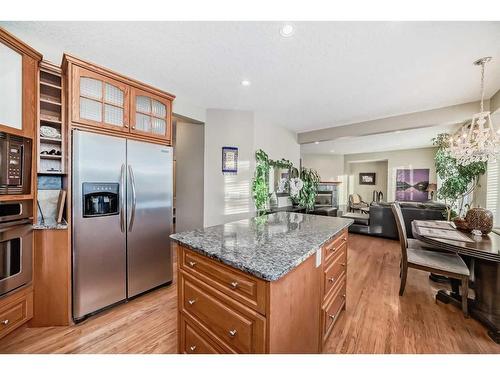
(100, 199)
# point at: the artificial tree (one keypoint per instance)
(457, 181)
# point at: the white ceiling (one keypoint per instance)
(399, 140)
(327, 74)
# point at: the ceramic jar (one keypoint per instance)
(480, 219)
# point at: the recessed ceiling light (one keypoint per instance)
(397, 131)
(287, 30)
(316, 143)
(245, 82)
(332, 150)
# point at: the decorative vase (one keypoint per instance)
(461, 224)
(479, 219)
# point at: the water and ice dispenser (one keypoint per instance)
(100, 199)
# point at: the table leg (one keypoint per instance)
(486, 306)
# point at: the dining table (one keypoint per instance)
(482, 255)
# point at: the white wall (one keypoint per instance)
(228, 197)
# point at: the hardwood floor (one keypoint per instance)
(377, 320)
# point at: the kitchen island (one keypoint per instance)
(269, 284)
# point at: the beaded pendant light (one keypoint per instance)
(476, 140)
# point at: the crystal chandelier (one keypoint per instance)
(476, 140)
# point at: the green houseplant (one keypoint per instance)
(307, 195)
(260, 189)
(457, 181)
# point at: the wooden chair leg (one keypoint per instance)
(465, 296)
(404, 271)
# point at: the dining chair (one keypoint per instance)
(416, 254)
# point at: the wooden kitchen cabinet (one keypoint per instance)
(18, 86)
(150, 115)
(225, 310)
(99, 100)
(109, 102)
(15, 310)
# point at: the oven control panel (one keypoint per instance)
(15, 164)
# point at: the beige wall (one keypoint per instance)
(276, 141)
(329, 167)
(366, 191)
(402, 159)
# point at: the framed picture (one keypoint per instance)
(367, 178)
(229, 160)
(412, 184)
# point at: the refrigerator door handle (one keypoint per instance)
(122, 199)
(134, 198)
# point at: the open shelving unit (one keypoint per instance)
(51, 115)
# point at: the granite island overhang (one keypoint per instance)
(268, 284)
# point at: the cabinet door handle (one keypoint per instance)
(192, 348)
(343, 296)
(191, 301)
(233, 332)
(5, 322)
(331, 316)
(234, 284)
(344, 239)
(331, 279)
(342, 264)
(192, 264)
(333, 249)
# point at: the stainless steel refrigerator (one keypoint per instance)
(122, 219)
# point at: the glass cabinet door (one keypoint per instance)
(11, 90)
(100, 101)
(151, 114)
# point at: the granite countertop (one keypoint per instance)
(50, 223)
(268, 246)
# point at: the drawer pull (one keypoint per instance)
(333, 249)
(343, 296)
(191, 301)
(344, 239)
(331, 316)
(5, 322)
(342, 264)
(331, 279)
(234, 284)
(192, 348)
(232, 333)
(192, 264)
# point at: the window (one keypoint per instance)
(493, 191)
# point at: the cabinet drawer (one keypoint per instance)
(195, 341)
(332, 248)
(14, 314)
(245, 332)
(334, 271)
(247, 290)
(333, 308)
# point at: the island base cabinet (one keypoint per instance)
(225, 310)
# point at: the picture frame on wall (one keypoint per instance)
(367, 178)
(229, 160)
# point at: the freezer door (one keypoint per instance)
(149, 224)
(99, 240)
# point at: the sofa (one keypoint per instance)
(380, 220)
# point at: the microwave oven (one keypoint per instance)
(15, 164)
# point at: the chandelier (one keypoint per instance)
(476, 140)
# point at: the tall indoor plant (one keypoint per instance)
(307, 195)
(457, 181)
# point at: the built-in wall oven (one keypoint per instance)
(16, 245)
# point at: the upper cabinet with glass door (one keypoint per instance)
(99, 101)
(150, 114)
(101, 98)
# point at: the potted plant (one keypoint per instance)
(307, 195)
(457, 181)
